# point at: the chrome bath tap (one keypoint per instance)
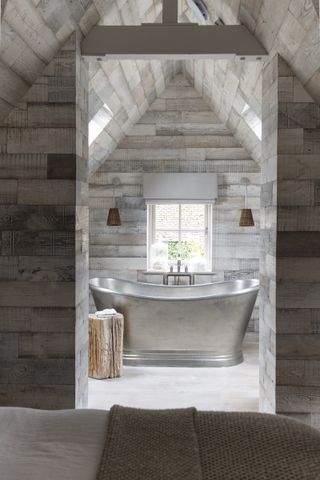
(178, 274)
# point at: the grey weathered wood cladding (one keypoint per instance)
(185, 147)
(44, 246)
(290, 280)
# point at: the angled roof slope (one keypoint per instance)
(233, 88)
(179, 126)
(119, 94)
(34, 30)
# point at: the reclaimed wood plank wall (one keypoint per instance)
(128, 88)
(44, 239)
(179, 133)
(290, 302)
(231, 85)
(268, 235)
(226, 84)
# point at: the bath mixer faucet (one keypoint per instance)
(177, 275)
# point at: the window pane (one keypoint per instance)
(173, 251)
(192, 245)
(167, 217)
(166, 236)
(193, 217)
(185, 237)
(172, 240)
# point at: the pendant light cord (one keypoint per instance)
(246, 197)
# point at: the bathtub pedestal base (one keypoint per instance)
(180, 359)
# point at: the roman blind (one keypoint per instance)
(180, 187)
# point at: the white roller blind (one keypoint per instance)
(180, 187)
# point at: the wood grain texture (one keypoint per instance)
(33, 33)
(290, 248)
(44, 236)
(105, 346)
(121, 251)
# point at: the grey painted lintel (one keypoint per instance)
(177, 41)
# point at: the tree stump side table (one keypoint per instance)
(105, 346)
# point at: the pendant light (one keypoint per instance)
(114, 219)
(246, 218)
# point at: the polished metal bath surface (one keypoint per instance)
(197, 325)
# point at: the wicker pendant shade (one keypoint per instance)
(246, 219)
(114, 219)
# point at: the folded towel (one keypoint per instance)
(106, 312)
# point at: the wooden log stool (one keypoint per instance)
(105, 346)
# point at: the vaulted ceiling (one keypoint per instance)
(120, 92)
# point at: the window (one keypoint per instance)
(179, 231)
(99, 122)
(248, 115)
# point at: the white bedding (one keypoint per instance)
(57, 445)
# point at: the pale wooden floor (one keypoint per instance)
(232, 388)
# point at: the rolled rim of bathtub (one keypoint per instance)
(151, 291)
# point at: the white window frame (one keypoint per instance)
(151, 230)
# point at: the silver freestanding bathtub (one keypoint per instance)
(200, 325)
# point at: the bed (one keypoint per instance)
(42, 445)
(167, 444)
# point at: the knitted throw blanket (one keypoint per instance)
(190, 445)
